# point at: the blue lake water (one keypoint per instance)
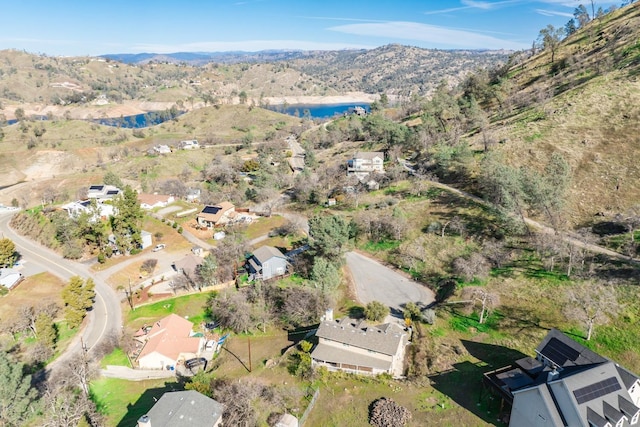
(137, 121)
(318, 111)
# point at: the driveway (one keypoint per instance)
(375, 282)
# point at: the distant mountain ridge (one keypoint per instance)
(200, 58)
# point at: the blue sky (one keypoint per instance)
(90, 27)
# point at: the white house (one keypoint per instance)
(75, 209)
(352, 346)
(147, 239)
(169, 341)
(364, 163)
(190, 144)
(9, 277)
(152, 201)
(162, 149)
(102, 192)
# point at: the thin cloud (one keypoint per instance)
(333, 18)
(474, 4)
(437, 36)
(554, 13)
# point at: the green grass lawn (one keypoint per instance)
(192, 305)
(117, 357)
(124, 402)
(262, 226)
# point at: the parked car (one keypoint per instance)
(159, 247)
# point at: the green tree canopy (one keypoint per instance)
(329, 236)
(325, 274)
(127, 222)
(7, 252)
(376, 311)
(207, 271)
(78, 297)
(16, 394)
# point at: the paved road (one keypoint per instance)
(127, 373)
(103, 320)
(296, 161)
(376, 282)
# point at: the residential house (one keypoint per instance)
(152, 201)
(9, 277)
(267, 262)
(146, 239)
(183, 409)
(193, 195)
(351, 345)
(212, 216)
(365, 162)
(191, 144)
(287, 420)
(75, 209)
(567, 384)
(188, 265)
(359, 111)
(162, 149)
(168, 342)
(103, 192)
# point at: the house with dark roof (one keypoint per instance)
(168, 342)
(183, 409)
(567, 384)
(266, 263)
(213, 215)
(351, 345)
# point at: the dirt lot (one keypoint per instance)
(43, 287)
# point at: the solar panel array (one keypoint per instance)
(595, 390)
(211, 209)
(559, 352)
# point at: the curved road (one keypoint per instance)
(103, 320)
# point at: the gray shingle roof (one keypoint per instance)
(331, 354)
(185, 409)
(264, 253)
(382, 339)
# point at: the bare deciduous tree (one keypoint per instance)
(471, 267)
(487, 300)
(591, 303)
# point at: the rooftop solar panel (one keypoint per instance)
(559, 352)
(112, 192)
(96, 187)
(595, 390)
(211, 209)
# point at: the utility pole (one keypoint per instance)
(249, 344)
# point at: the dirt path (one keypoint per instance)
(536, 225)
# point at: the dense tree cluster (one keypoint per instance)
(78, 297)
(251, 308)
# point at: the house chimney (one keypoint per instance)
(328, 315)
(553, 375)
(144, 421)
